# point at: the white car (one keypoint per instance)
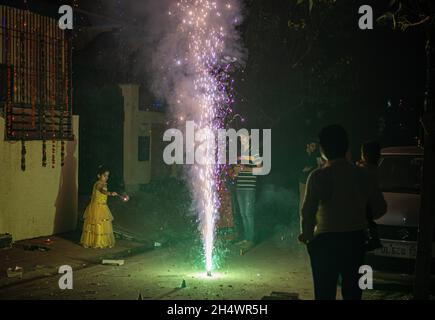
(400, 172)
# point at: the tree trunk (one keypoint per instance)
(427, 210)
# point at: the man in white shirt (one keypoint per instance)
(334, 217)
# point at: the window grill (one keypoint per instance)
(35, 77)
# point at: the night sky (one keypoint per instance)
(295, 80)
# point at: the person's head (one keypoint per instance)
(334, 142)
(371, 152)
(103, 173)
(311, 147)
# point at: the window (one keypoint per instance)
(148, 102)
(144, 148)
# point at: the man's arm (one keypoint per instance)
(307, 169)
(309, 208)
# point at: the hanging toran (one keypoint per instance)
(21, 90)
(34, 59)
(7, 51)
(59, 98)
(43, 90)
(32, 79)
(52, 78)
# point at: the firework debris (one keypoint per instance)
(34, 247)
(15, 272)
(113, 262)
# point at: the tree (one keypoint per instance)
(404, 15)
(413, 14)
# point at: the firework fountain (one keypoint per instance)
(194, 60)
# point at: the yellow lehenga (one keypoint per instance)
(97, 228)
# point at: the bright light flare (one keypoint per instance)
(203, 24)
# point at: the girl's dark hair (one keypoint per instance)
(102, 169)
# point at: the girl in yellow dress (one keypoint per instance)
(97, 228)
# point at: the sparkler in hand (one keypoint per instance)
(124, 197)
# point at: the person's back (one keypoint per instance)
(334, 217)
(344, 193)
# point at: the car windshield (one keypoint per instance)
(400, 173)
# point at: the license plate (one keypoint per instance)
(397, 249)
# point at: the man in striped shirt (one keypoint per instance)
(245, 189)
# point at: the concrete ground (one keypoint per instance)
(40, 259)
(158, 274)
(162, 214)
(273, 265)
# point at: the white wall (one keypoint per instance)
(136, 123)
(39, 201)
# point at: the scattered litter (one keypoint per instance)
(157, 244)
(15, 272)
(48, 241)
(34, 247)
(113, 262)
(5, 241)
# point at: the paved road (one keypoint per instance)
(271, 266)
(158, 274)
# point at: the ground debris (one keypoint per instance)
(15, 272)
(113, 262)
(34, 247)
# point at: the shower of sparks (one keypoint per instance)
(204, 24)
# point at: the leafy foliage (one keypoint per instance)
(405, 14)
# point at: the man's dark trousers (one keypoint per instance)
(337, 254)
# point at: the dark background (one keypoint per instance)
(295, 81)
